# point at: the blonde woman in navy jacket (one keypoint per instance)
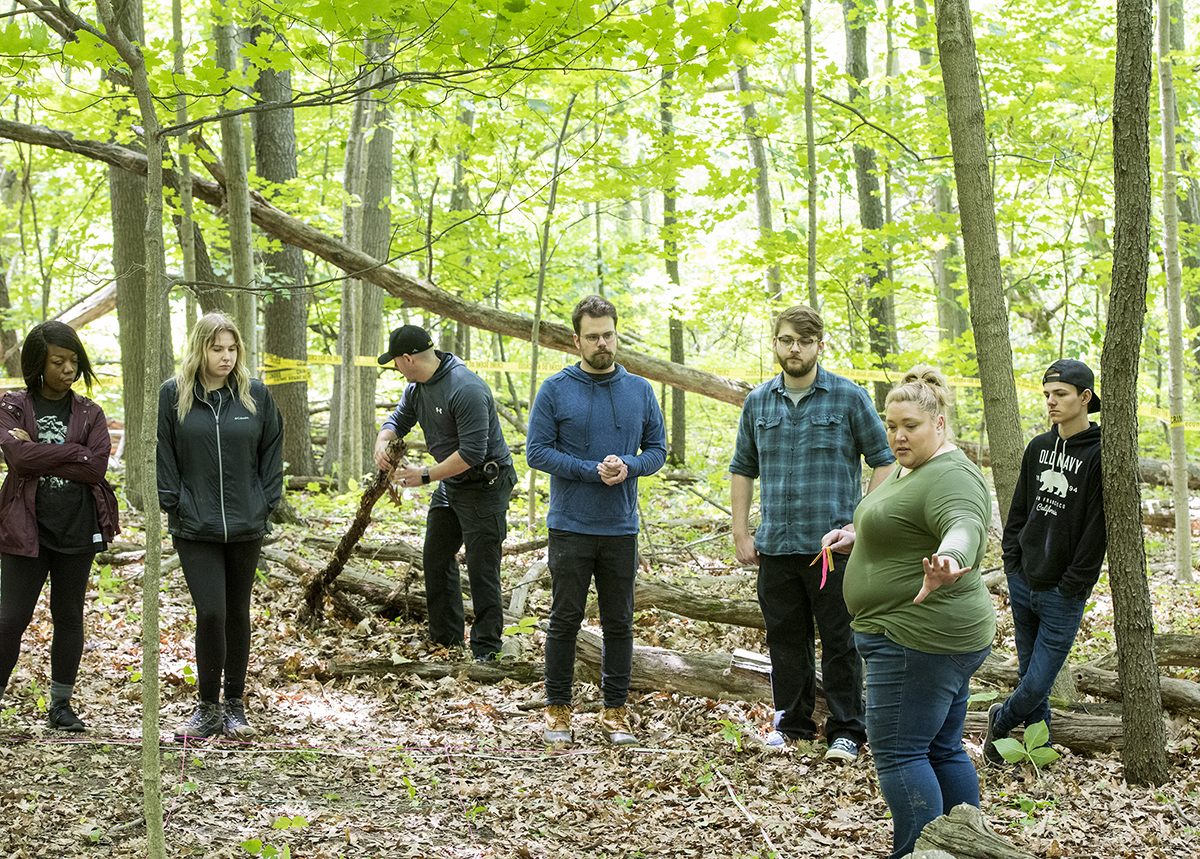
(56, 509)
(220, 474)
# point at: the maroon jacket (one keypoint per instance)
(83, 458)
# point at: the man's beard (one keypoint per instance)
(600, 360)
(805, 367)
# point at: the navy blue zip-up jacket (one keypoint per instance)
(220, 471)
(577, 420)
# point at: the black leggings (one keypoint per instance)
(220, 577)
(21, 581)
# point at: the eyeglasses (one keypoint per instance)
(596, 338)
(789, 342)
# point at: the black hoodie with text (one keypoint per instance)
(1055, 535)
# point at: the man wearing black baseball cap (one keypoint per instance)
(474, 474)
(1054, 543)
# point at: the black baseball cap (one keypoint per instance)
(406, 340)
(1074, 373)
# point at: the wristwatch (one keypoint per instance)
(425, 476)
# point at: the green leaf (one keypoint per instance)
(252, 846)
(1011, 750)
(1043, 755)
(1037, 735)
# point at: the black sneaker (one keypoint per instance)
(233, 720)
(991, 756)
(63, 718)
(205, 722)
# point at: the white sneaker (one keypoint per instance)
(778, 740)
(842, 750)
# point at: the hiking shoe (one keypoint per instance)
(62, 718)
(558, 724)
(614, 724)
(205, 722)
(843, 750)
(991, 755)
(233, 720)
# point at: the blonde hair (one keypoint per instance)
(927, 388)
(203, 335)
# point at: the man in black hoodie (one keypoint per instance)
(1053, 544)
(474, 472)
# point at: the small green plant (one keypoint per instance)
(255, 847)
(189, 675)
(983, 697)
(525, 626)
(731, 732)
(1034, 748)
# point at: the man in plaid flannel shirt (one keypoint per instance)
(804, 435)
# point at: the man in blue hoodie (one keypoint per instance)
(1054, 542)
(585, 430)
(475, 477)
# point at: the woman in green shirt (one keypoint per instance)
(923, 620)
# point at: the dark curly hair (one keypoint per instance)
(595, 307)
(34, 352)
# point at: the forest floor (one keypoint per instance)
(400, 767)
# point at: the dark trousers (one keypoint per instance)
(220, 577)
(575, 559)
(791, 598)
(21, 581)
(473, 515)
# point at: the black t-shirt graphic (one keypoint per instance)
(66, 510)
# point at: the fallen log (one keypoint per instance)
(387, 553)
(677, 600)
(963, 834)
(1171, 650)
(1178, 696)
(319, 586)
(479, 672)
(383, 594)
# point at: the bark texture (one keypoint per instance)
(977, 216)
(1145, 739)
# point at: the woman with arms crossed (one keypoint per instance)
(56, 509)
(220, 474)
(923, 620)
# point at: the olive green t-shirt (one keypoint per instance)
(942, 506)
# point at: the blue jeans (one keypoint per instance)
(575, 559)
(794, 607)
(916, 706)
(1045, 623)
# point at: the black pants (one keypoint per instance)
(575, 559)
(473, 515)
(220, 577)
(791, 598)
(21, 581)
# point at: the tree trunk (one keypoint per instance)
(286, 314)
(1174, 288)
(810, 141)
(977, 214)
(152, 298)
(1145, 749)
(11, 355)
(772, 278)
(881, 322)
(376, 218)
(677, 447)
(237, 200)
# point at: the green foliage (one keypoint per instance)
(525, 626)
(1035, 747)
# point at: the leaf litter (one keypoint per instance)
(397, 766)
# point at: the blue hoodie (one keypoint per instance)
(577, 420)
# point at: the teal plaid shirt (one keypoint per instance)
(807, 459)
